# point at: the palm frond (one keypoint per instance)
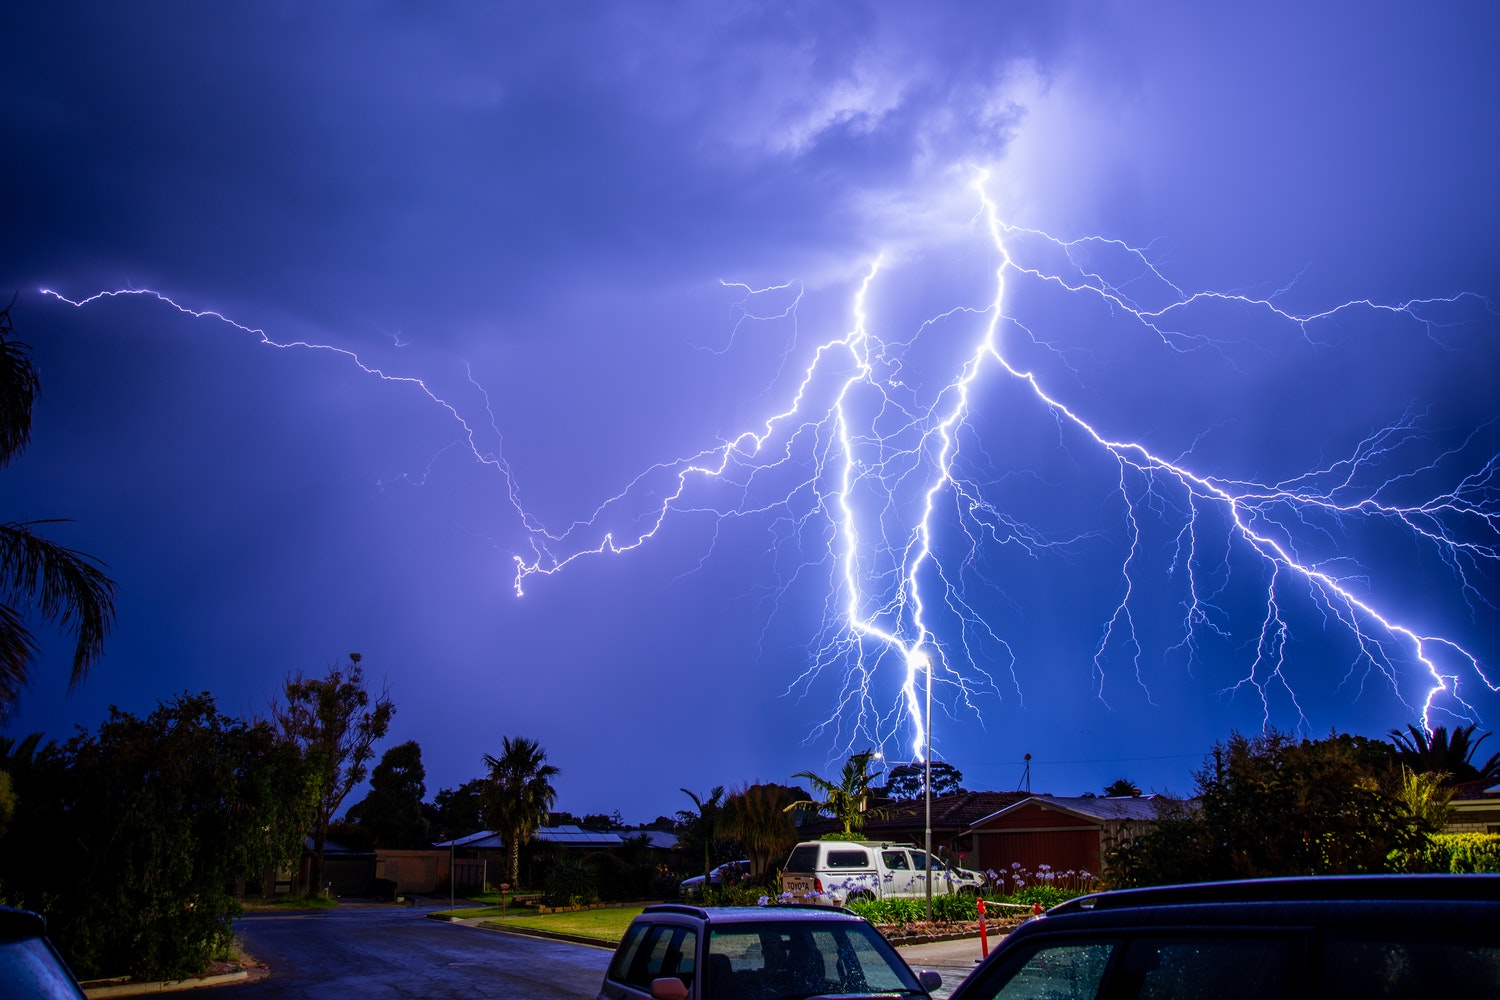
(65, 587)
(19, 386)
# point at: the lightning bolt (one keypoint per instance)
(881, 457)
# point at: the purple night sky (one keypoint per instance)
(555, 259)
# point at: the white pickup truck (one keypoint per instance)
(845, 870)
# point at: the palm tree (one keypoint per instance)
(698, 827)
(65, 587)
(518, 794)
(1437, 752)
(845, 801)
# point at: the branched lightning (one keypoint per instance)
(876, 457)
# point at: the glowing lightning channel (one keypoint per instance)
(868, 459)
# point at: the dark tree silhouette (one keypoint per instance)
(62, 586)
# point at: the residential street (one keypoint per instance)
(381, 951)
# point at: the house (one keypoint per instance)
(1475, 808)
(904, 821)
(1065, 834)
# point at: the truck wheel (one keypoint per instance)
(862, 896)
(968, 891)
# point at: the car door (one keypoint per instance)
(650, 952)
(897, 877)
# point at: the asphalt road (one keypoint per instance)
(393, 952)
(381, 951)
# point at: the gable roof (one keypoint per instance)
(1089, 807)
(957, 812)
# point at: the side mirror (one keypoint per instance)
(669, 988)
(930, 979)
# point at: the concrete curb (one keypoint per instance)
(490, 925)
(129, 989)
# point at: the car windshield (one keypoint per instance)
(792, 960)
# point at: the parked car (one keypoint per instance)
(843, 871)
(692, 888)
(30, 968)
(1365, 936)
(675, 952)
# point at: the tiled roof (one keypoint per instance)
(949, 812)
(1133, 807)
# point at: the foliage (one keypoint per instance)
(1438, 752)
(393, 812)
(571, 881)
(954, 909)
(845, 800)
(66, 588)
(1452, 854)
(698, 828)
(905, 781)
(1271, 806)
(130, 841)
(518, 794)
(334, 726)
(628, 871)
(1425, 799)
(1122, 787)
(756, 818)
(7, 801)
(457, 810)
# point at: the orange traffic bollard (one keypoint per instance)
(984, 936)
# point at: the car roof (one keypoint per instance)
(20, 923)
(796, 912)
(1323, 888)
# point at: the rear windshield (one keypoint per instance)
(804, 859)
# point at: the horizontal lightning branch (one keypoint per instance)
(887, 466)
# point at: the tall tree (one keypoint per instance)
(698, 827)
(904, 781)
(64, 587)
(456, 810)
(1122, 788)
(335, 725)
(1438, 752)
(756, 818)
(393, 812)
(845, 800)
(518, 795)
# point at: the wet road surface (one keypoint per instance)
(393, 952)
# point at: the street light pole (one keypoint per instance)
(925, 662)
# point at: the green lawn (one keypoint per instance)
(606, 925)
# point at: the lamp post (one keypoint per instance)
(921, 661)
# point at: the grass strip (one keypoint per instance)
(605, 926)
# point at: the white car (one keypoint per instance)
(843, 871)
(692, 888)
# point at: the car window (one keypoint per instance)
(774, 960)
(804, 859)
(895, 860)
(1057, 972)
(849, 859)
(1380, 969)
(1203, 967)
(664, 950)
(919, 860)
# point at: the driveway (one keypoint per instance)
(381, 951)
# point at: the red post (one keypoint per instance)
(1036, 909)
(984, 936)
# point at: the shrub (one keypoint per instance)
(571, 882)
(1452, 854)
